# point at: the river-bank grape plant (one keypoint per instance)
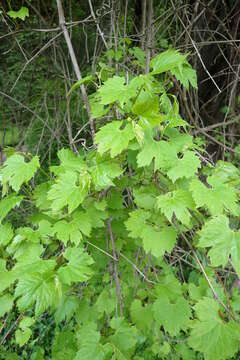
(129, 250)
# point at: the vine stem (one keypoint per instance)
(103, 251)
(116, 275)
(137, 269)
(125, 258)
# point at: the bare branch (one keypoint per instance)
(97, 24)
(75, 63)
(115, 267)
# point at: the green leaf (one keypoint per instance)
(186, 75)
(164, 153)
(38, 353)
(180, 141)
(226, 171)
(211, 335)
(111, 137)
(166, 156)
(172, 316)
(115, 90)
(115, 200)
(136, 221)
(16, 171)
(222, 240)
(27, 233)
(69, 162)
(9, 136)
(106, 302)
(149, 151)
(217, 198)
(6, 233)
(145, 196)
(77, 84)
(73, 230)
(64, 346)
(86, 313)
(138, 133)
(45, 230)
(176, 203)
(163, 350)
(142, 316)
(139, 55)
(22, 336)
(125, 336)
(10, 355)
(28, 256)
(146, 104)
(8, 203)
(202, 289)
(41, 289)
(165, 103)
(40, 196)
(22, 13)
(78, 267)
(7, 277)
(24, 332)
(67, 308)
(26, 322)
(169, 287)
(103, 171)
(158, 242)
(6, 303)
(89, 343)
(69, 191)
(167, 60)
(198, 292)
(175, 120)
(96, 212)
(185, 352)
(186, 167)
(174, 61)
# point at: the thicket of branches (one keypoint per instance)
(37, 72)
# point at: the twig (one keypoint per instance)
(4, 323)
(215, 295)
(28, 109)
(115, 267)
(11, 329)
(220, 124)
(125, 258)
(232, 93)
(32, 58)
(149, 35)
(215, 140)
(79, 131)
(137, 269)
(195, 47)
(103, 251)
(204, 66)
(75, 63)
(97, 24)
(18, 43)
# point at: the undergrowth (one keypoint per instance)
(129, 250)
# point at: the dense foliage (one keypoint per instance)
(92, 259)
(119, 225)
